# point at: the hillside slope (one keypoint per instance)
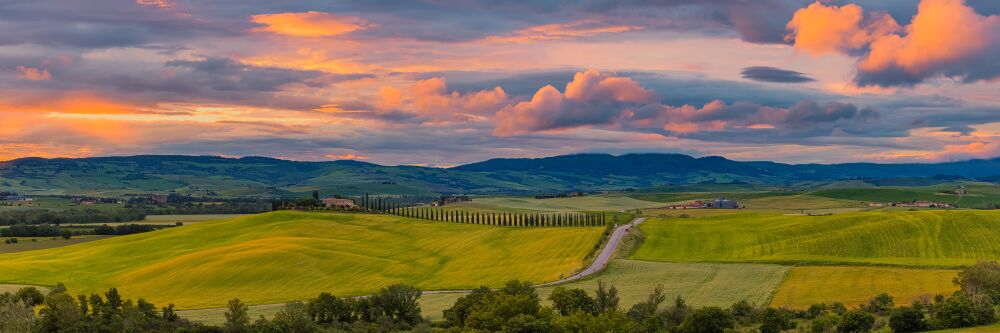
(268, 177)
(257, 258)
(911, 238)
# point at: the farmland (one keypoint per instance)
(912, 238)
(257, 257)
(700, 284)
(807, 285)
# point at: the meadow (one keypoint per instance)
(700, 284)
(930, 238)
(281, 256)
(853, 286)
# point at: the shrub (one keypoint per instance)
(907, 319)
(774, 321)
(707, 320)
(856, 321)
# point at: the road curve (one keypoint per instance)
(607, 253)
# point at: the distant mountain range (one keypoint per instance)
(260, 176)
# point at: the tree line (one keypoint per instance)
(515, 307)
(507, 219)
(52, 230)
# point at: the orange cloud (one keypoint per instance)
(164, 4)
(71, 103)
(942, 33)
(590, 98)
(309, 24)
(946, 38)
(33, 74)
(820, 29)
(431, 98)
(575, 29)
(348, 156)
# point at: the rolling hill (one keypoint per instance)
(907, 238)
(260, 258)
(268, 177)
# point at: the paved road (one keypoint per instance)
(607, 253)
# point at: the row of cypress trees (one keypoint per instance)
(507, 219)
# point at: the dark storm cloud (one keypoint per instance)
(962, 130)
(773, 74)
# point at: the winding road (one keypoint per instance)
(607, 253)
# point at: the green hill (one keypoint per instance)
(281, 256)
(912, 238)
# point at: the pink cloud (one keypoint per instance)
(309, 24)
(945, 38)
(568, 30)
(591, 98)
(33, 74)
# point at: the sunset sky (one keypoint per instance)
(441, 83)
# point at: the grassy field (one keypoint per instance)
(978, 194)
(699, 284)
(587, 203)
(186, 219)
(275, 257)
(807, 285)
(40, 243)
(912, 238)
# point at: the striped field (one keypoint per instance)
(807, 285)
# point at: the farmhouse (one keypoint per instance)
(960, 190)
(447, 199)
(339, 203)
(697, 204)
(723, 203)
(11, 196)
(158, 198)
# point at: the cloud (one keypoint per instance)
(945, 38)
(961, 130)
(591, 98)
(555, 31)
(309, 24)
(33, 74)
(820, 29)
(594, 99)
(162, 4)
(772, 74)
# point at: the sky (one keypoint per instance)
(442, 83)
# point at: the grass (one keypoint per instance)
(13, 288)
(586, 203)
(700, 284)
(807, 285)
(281, 256)
(978, 196)
(41, 243)
(186, 219)
(909, 238)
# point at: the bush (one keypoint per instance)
(981, 278)
(774, 321)
(880, 304)
(907, 319)
(707, 320)
(856, 321)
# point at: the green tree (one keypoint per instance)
(328, 309)
(856, 321)
(711, 319)
(981, 278)
(59, 313)
(907, 319)
(567, 301)
(607, 298)
(294, 318)
(774, 321)
(400, 303)
(881, 304)
(237, 317)
(30, 296)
